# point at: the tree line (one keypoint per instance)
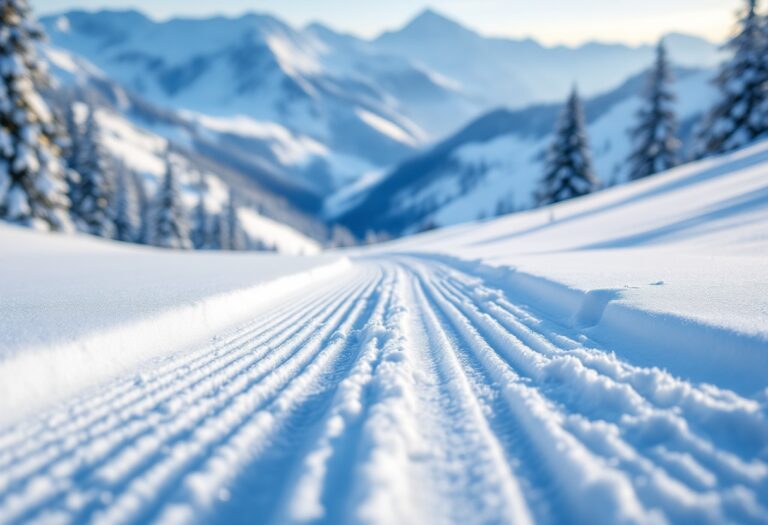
(56, 175)
(739, 117)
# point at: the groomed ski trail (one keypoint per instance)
(407, 391)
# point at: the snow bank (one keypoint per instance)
(730, 357)
(670, 271)
(76, 311)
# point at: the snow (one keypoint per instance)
(106, 307)
(62, 60)
(471, 179)
(350, 195)
(601, 361)
(279, 236)
(140, 150)
(684, 249)
(386, 127)
(144, 152)
(290, 149)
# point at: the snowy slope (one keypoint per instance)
(291, 165)
(683, 251)
(497, 161)
(144, 152)
(263, 162)
(254, 66)
(517, 73)
(318, 83)
(76, 309)
(598, 362)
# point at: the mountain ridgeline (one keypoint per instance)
(305, 118)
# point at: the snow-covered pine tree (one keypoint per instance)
(126, 206)
(231, 234)
(741, 115)
(201, 235)
(223, 239)
(655, 142)
(142, 206)
(33, 187)
(92, 192)
(568, 167)
(236, 233)
(72, 131)
(168, 226)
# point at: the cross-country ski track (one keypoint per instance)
(403, 391)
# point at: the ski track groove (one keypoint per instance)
(600, 437)
(335, 302)
(102, 406)
(323, 467)
(461, 399)
(334, 345)
(160, 379)
(408, 391)
(698, 406)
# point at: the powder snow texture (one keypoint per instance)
(105, 306)
(596, 362)
(685, 249)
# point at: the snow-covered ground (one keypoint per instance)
(76, 310)
(601, 361)
(679, 262)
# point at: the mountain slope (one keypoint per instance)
(254, 66)
(140, 135)
(494, 164)
(610, 349)
(316, 118)
(373, 100)
(516, 73)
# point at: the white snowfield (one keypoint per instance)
(599, 362)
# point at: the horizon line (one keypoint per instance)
(369, 38)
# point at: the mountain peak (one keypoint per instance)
(428, 24)
(434, 21)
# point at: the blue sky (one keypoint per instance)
(553, 21)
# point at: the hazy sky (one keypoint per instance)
(552, 21)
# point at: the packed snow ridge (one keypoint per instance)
(600, 361)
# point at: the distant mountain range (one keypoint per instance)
(308, 115)
(516, 73)
(492, 166)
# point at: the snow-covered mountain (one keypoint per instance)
(354, 104)
(493, 165)
(315, 118)
(517, 72)
(140, 135)
(601, 361)
(253, 67)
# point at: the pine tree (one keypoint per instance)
(71, 146)
(126, 213)
(741, 115)
(142, 206)
(93, 191)
(655, 142)
(237, 235)
(33, 187)
(231, 234)
(568, 168)
(201, 235)
(168, 227)
(222, 231)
